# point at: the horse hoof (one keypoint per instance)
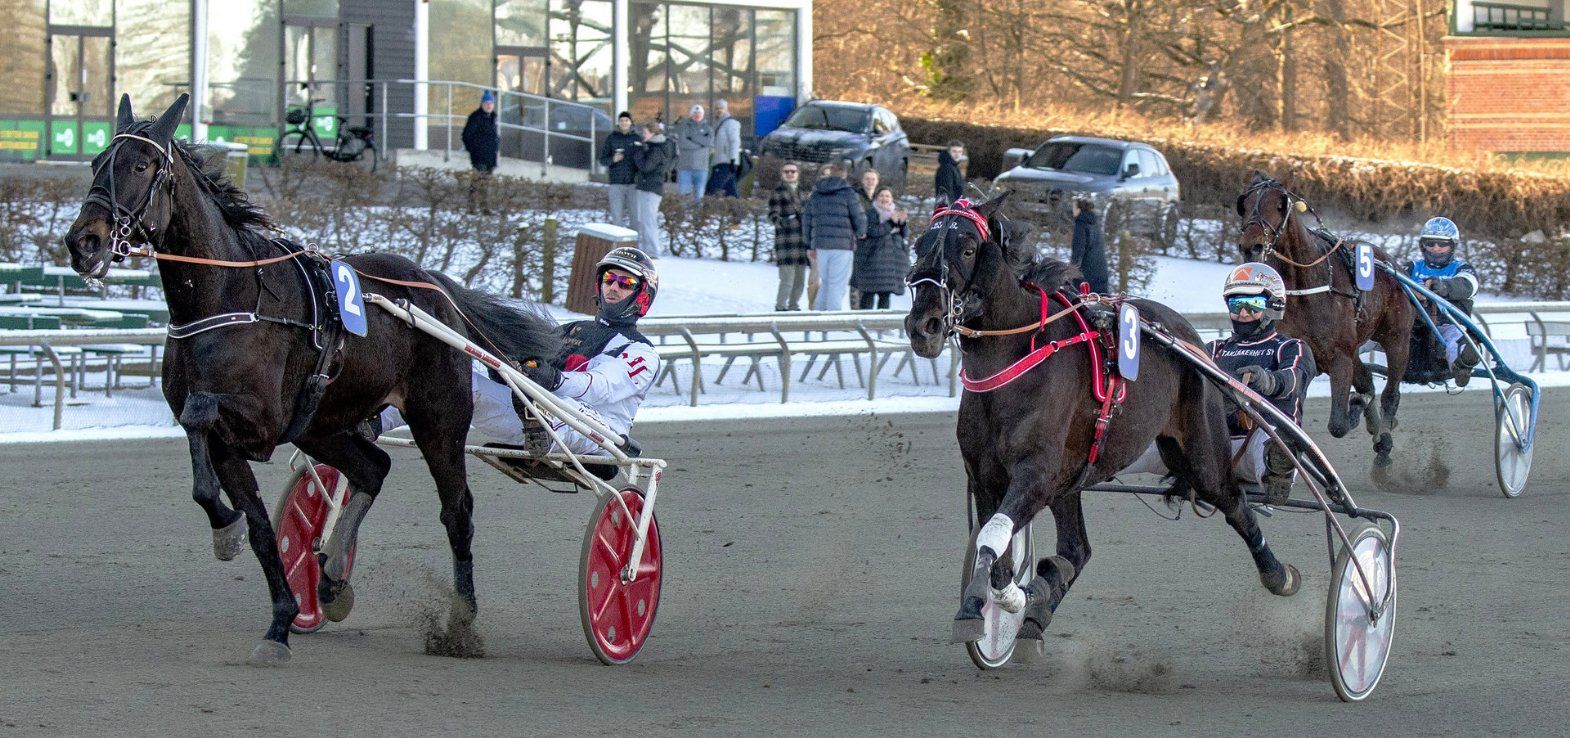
(229, 540)
(1038, 604)
(339, 608)
(1059, 565)
(968, 630)
(269, 653)
(1381, 461)
(1284, 585)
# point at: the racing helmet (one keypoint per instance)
(638, 264)
(1255, 278)
(1439, 230)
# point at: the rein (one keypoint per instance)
(1270, 248)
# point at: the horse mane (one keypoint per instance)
(208, 170)
(1050, 274)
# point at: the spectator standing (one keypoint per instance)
(869, 187)
(727, 152)
(950, 181)
(881, 260)
(832, 221)
(1088, 251)
(653, 158)
(790, 251)
(616, 157)
(482, 139)
(694, 141)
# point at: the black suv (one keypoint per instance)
(1129, 181)
(821, 131)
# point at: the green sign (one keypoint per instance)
(21, 140)
(63, 137)
(95, 137)
(259, 141)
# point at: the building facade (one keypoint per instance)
(1507, 85)
(385, 63)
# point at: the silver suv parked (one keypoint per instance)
(1129, 181)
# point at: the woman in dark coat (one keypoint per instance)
(1088, 251)
(882, 259)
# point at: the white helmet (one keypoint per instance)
(1255, 278)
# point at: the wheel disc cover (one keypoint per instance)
(1361, 645)
(620, 614)
(1002, 627)
(1514, 464)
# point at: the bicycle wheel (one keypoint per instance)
(296, 147)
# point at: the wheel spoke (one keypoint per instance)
(611, 554)
(611, 593)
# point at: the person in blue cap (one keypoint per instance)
(481, 138)
(1450, 277)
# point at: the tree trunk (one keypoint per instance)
(1337, 89)
(1286, 76)
(1128, 73)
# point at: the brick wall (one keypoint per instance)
(1508, 94)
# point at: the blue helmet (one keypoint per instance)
(1439, 231)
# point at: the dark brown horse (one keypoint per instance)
(1027, 444)
(1325, 310)
(249, 328)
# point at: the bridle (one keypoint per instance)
(1255, 217)
(130, 234)
(936, 273)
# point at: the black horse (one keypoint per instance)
(1028, 443)
(256, 359)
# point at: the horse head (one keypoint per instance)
(966, 254)
(1266, 208)
(131, 200)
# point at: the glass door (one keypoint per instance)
(526, 71)
(80, 86)
(310, 54)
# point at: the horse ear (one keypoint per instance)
(163, 130)
(1240, 199)
(126, 117)
(990, 208)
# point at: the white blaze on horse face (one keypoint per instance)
(996, 535)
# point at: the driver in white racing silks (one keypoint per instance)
(606, 369)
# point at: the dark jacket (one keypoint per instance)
(949, 183)
(1289, 359)
(482, 139)
(833, 218)
(881, 260)
(620, 172)
(785, 206)
(653, 159)
(1089, 252)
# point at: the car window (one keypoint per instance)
(880, 124)
(1069, 156)
(1147, 164)
(1161, 164)
(829, 118)
(890, 123)
(1131, 157)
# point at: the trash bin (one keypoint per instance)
(234, 164)
(595, 240)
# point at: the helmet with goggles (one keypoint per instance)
(1439, 240)
(643, 280)
(1257, 286)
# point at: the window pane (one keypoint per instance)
(82, 13)
(64, 51)
(97, 94)
(242, 58)
(22, 35)
(581, 50)
(153, 51)
(732, 63)
(648, 71)
(777, 53)
(520, 23)
(689, 58)
(311, 8)
(461, 51)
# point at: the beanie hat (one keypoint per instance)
(488, 97)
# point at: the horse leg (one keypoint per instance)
(198, 418)
(993, 575)
(1055, 574)
(1343, 417)
(240, 483)
(1363, 386)
(365, 466)
(1390, 398)
(440, 436)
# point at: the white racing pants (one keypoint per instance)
(495, 417)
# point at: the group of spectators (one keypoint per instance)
(836, 239)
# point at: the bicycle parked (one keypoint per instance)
(301, 143)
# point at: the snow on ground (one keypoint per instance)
(706, 287)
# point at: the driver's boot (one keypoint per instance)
(1278, 474)
(1465, 363)
(536, 439)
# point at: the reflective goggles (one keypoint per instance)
(1239, 304)
(1436, 244)
(627, 282)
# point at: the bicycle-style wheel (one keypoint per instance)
(296, 147)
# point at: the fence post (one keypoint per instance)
(447, 125)
(382, 101)
(548, 263)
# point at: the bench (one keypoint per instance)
(1550, 336)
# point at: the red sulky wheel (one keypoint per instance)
(298, 523)
(617, 614)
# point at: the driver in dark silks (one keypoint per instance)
(606, 369)
(1277, 367)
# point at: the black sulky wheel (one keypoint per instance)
(617, 614)
(1357, 644)
(1512, 464)
(996, 645)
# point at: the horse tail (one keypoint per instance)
(514, 329)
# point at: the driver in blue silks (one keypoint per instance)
(1451, 278)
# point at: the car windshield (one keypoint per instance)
(1085, 158)
(825, 118)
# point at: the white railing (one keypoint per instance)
(830, 335)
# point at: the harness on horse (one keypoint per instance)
(1256, 218)
(131, 236)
